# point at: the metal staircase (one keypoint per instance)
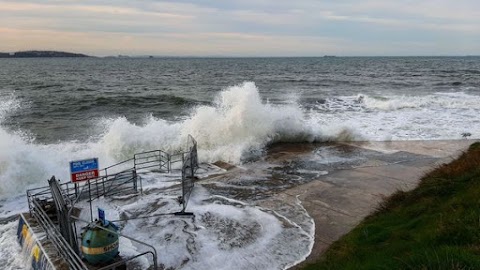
(52, 206)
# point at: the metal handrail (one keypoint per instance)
(151, 159)
(151, 151)
(39, 246)
(60, 244)
(72, 195)
(112, 188)
(163, 160)
(113, 265)
(116, 164)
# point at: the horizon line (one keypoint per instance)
(237, 56)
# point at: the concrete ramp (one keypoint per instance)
(343, 198)
(338, 184)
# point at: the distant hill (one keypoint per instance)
(28, 54)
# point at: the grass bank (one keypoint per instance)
(435, 226)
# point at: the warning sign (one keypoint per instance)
(82, 170)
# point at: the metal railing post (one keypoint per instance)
(169, 165)
(134, 177)
(90, 200)
(103, 185)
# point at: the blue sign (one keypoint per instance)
(101, 216)
(83, 165)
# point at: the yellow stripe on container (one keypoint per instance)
(25, 234)
(36, 253)
(27, 240)
(99, 250)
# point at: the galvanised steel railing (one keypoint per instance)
(47, 261)
(156, 159)
(59, 242)
(118, 178)
(189, 167)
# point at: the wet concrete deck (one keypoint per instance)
(337, 184)
(340, 200)
(316, 192)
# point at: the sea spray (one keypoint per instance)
(237, 125)
(12, 256)
(240, 123)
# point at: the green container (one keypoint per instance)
(100, 246)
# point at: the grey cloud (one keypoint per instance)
(369, 23)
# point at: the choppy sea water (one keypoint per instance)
(56, 110)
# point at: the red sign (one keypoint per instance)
(82, 170)
(83, 176)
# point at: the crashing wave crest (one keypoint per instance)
(237, 125)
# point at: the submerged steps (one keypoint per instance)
(36, 247)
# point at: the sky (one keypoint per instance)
(243, 28)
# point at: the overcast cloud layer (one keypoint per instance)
(243, 28)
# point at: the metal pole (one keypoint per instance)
(161, 161)
(103, 184)
(192, 169)
(169, 164)
(96, 187)
(141, 186)
(90, 199)
(134, 177)
(135, 161)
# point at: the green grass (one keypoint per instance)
(435, 226)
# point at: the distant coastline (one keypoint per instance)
(40, 54)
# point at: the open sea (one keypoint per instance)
(56, 110)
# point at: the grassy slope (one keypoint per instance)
(435, 226)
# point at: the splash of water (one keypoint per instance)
(237, 125)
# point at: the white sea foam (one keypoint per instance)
(237, 125)
(429, 117)
(8, 104)
(10, 257)
(225, 233)
(443, 100)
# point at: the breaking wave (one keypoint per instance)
(444, 100)
(238, 124)
(364, 102)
